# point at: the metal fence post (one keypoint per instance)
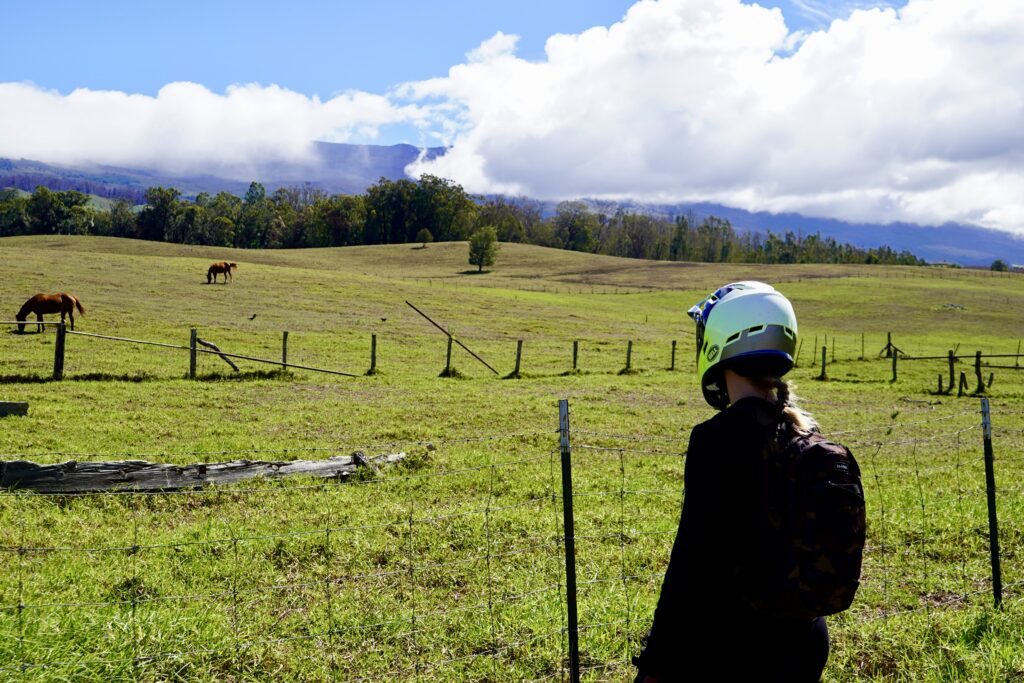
(58, 352)
(990, 490)
(570, 542)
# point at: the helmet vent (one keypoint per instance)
(732, 338)
(755, 329)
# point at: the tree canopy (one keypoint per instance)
(403, 211)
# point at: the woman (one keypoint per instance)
(706, 625)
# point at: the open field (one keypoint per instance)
(450, 567)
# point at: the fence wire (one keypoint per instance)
(450, 565)
(927, 545)
(449, 562)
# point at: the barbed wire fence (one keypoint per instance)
(928, 552)
(420, 571)
(460, 563)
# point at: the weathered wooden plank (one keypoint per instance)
(142, 475)
(13, 408)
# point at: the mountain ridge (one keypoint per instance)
(348, 168)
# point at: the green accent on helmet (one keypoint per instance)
(747, 326)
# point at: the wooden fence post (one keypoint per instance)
(833, 348)
(284, 350)
(977, 373)
(629, 355)
(373, 355)
(192, 354)
(894, 357)
(575, 353)
(672, 366)
(963, 384)
(58, 352)
(862, 346)
(519, 358)
(448, 361)
(824, 350)
(952, 377)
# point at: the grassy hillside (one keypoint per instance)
(927, 567)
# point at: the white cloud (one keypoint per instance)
(185, 127)
(914, 114)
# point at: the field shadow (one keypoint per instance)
(245, 375)
(137, 377)
(86, 377)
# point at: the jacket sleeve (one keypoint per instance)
(683, 591)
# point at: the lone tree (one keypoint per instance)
(483, 247)
(424, 236)
(1000, 265)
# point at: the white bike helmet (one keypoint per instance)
(748, 327)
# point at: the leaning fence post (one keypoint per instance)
(570, 542)
(58, 352)
(990, 491)
(672, 365)
(962, 386)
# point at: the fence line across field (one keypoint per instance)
(890, 353)
(593, 556)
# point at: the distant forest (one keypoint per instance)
(406, 211)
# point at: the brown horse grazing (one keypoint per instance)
(220, 267)
(62, 303)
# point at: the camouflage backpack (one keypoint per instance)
(812, 527)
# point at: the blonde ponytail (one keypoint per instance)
(802, 421)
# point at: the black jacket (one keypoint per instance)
(703, 629)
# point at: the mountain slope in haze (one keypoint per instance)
(967, 245)
(338, 168)
(352, 168)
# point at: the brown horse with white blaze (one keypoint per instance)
(41, 304)
(217, 268)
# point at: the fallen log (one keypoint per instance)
(142, 475)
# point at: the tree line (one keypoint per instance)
(430, 209)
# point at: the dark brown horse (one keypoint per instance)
(62, 303)
(220, 267)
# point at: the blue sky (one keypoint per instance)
(862, 110)
(314, 47)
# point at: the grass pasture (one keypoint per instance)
(450, 566)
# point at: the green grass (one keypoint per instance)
(449, 564)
